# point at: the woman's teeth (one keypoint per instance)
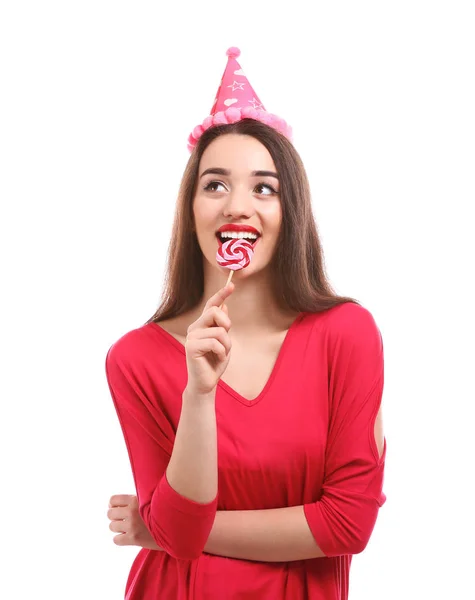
(238, 235)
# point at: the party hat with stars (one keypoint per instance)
(236, 100)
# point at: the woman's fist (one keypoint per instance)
(126, 521)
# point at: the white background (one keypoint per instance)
(97, 101)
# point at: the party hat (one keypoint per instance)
(236, 100)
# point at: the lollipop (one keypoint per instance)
(235, 254)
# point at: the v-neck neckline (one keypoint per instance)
(227, 388)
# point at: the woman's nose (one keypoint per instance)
(239, 203)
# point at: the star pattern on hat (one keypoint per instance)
(255, 103)
(237, 86)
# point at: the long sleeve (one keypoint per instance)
(343, 518)
(178, 525)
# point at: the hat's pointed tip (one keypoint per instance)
(233, 52)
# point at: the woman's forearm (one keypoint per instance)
(193, 470)
(273, 535)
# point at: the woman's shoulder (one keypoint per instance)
(348, 320)
(141, 340)
(127, 345)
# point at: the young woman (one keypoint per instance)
(254, 430)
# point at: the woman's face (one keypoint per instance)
(237, 184)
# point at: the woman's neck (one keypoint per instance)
(252, 306)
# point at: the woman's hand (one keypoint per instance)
(126, 520)
(208, 344)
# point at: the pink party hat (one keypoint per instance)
(236, 100)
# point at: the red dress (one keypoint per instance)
(307, 439)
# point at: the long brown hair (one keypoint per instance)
(298, 271)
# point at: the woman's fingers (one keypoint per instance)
(118, 526)
(214, 316)
(122, 500)
(218, 333)
(201, 346)
(118, 513)
(220, 296)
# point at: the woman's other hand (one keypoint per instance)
(126, 521)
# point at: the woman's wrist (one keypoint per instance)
(191, 395)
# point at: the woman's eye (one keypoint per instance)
(212, 186)
(263, 189)
(265, 186)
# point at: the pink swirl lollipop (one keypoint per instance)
(235, 254)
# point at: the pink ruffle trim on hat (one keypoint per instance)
(231, 115)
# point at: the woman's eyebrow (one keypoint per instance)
(227, 173)
(264, 174)
(216, 171)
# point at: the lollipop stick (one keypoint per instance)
(229, 279)
(231, 273)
